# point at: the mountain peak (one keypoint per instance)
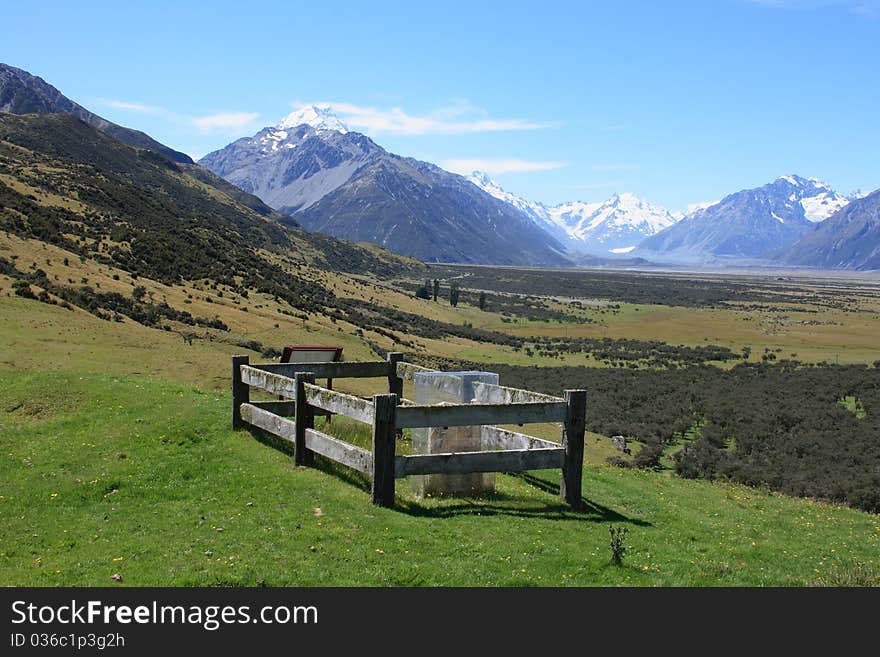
(482, 180)
(627, 200)
(319, 117)
(481, 177)
(816, 197)
(800, 181)
(792, 179)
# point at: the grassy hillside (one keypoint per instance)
(108, 472)
(133, 476)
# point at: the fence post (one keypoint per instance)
(241, 392)
(304, 419)
(395, 383)
(384, 439)
(573, 444)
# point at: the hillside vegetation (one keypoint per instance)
(127, 281)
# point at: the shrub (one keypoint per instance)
(617, 545)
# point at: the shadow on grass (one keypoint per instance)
(491, 504)
(494, 504)
(349, 476)
(328, 466)
(271, 440)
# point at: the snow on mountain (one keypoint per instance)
(614, 226)
(289, 131)
(825, 203)
(816, 198)
(848, 240)
(537, 212)
(341, 183)
(319, 117)
(295, 163)
(747, 224)
(484, 182)
(619, 213)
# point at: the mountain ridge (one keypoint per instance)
(747, 224)
(849, 239)
(343, 184)
(22, 92)
(614, 226)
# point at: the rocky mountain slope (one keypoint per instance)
(341, 183)
(849, 239)
(746, 224)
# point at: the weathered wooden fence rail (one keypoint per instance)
(389, 413)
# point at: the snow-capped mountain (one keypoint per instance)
(850, 239)
(747, 224)
(817, 199)
(319, 117)
(338, 182)
(537, 212)
(615, 226)
(295, 163)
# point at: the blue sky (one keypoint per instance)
(678, 102)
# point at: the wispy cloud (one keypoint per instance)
(499, 166)
(867, 8)
(225, 121)
(134, 107)
(458, 118)
(221, 122)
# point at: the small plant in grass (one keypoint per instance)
(618, 547)
(850, 575)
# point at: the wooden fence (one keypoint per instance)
(390, 413)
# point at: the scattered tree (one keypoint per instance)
(453, 294)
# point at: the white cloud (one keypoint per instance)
(224, 121)
(134, 107)
(458, 118)
(219, 122)
(465, 167)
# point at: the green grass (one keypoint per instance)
(103, 474)
(667, 459)
(854, 405)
